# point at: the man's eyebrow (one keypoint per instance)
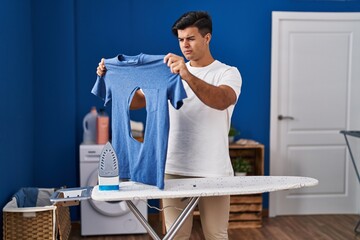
(192, 36)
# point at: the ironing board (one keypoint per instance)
(355, 134)
(194, 188)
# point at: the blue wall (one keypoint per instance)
(50, 50)
(54, 89)
(16, 99)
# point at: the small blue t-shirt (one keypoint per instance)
(140, 162)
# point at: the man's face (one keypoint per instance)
(192, 44)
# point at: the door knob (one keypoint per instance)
(281, 117)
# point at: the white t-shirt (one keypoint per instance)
(198, 138)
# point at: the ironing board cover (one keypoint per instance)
(195, 187)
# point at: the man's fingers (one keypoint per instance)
(171, 58)
(169, 62)
(175, 67)
(99, 72)
(166, 58)
(174, 62)
(101, 69)
(102, 63)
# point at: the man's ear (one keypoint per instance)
(208, 38)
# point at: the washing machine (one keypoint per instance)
(104, 218)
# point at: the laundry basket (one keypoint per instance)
(44, 221)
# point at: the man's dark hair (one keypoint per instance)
(199, 19)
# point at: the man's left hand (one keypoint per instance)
(177, 65)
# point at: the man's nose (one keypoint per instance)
(185, 43)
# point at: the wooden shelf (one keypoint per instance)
(253, 153)
(246, 210)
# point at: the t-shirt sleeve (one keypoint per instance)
(99, 89)
(232, 78)
(176, 92)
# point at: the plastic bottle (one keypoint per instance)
(89, 126)
(102, 126)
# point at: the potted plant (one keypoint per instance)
(241, 166)
(232, 133)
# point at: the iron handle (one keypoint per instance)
(281, 117)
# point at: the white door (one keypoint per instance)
(315, 93)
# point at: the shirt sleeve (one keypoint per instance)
(232, 78)
(176, 92)
(99, 90)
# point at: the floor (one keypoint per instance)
(309, 227)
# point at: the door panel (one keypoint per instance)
(317, 71)
(314, 69)
(306, 160)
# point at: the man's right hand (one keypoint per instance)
(101, 69)
(138, 100)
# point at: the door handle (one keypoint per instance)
(281, 117)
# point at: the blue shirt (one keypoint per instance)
(140, 162)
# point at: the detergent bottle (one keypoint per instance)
(102, 127)
(89, 126)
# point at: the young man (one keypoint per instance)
(198, 136)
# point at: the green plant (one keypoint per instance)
(241, 165)
(233, 131)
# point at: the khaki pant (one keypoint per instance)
(214, 215)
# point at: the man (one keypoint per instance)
(198, 135)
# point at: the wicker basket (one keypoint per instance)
(49, 222)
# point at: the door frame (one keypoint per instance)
(277, 17)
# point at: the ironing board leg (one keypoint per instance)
(356, 171)
(181, 218)
(357, 226)
(142, 220)
(176, 225)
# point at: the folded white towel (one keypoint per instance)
(136, 126)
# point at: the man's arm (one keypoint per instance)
(218, 97)
(138, 100)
